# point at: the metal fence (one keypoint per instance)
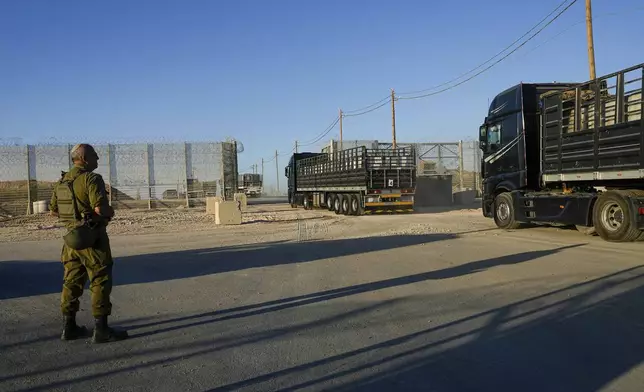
(136, 175)
(460, 159)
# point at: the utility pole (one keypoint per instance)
(589, 38)
(262, 170)
(341, 147)
(393, 119)
(296, 146)
(277, 173)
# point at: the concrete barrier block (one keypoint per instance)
(228, 213)
(242, 199)
(211, 203)
(465, 197)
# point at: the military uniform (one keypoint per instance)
(93, 263)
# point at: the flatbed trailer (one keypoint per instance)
(353, 181)
(568, 154)
(250, 184)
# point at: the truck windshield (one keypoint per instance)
(494, 136)
(490, 137)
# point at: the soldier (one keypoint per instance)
(80, 202)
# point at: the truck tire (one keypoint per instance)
(356, 206)
(337, 204)
(346, 204)
(329, 201)
(504, 214)
(307, 202)
(611, 216)
(637, 193)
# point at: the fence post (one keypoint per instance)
(185, 162)
(29, 195)
(109, 172)
(460, 163)
(148, 156)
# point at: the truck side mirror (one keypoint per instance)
(483, 137)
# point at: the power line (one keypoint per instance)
(326, 132)
(386, 100)
(499, 60)
(370, 110)
(491, 58)
(366, 107)
(580, 23)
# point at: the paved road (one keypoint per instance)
(537, 310)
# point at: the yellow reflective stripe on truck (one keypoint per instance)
(390, 203)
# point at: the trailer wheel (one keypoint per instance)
(346, 204)
(611, 216)
(337, 204)
(330, 200)
(504, 214)
(291, 200)
(355, 206)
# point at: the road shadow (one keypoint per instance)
(221, 344)
(327, 295)
(581, 338)
(167, 355)
(29, 278)
(165, 325)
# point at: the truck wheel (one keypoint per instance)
(355, 206)
(504, 214)
(611, 215)
(337, 204)
(637, 193)
(346, 204)
(307, 202)
(330, 201)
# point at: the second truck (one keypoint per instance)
(353, 181)
(568, 154)
(250, 184)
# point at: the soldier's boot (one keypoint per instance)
(71, 330)
(104, 334)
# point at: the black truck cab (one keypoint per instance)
(290, 173)
(567, 154)
(509, 140)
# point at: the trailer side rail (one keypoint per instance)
(595, 130)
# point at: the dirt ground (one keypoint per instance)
(258, 220)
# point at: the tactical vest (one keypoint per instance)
(68, 211)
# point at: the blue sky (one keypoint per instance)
(271, 72)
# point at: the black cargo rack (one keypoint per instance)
(358, 168)
(595, 130)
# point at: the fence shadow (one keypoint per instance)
(384, 355)
(29, 278)
(580, 338)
